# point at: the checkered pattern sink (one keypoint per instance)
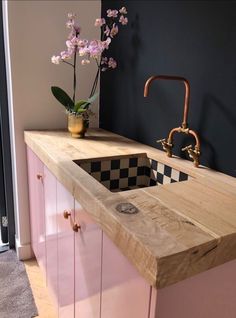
(130, 172)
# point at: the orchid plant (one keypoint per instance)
(88, 50)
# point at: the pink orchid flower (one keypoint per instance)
(88, 50)
(75, 41)
(71, 24)
(77, 27)
(69, 44)
(82, 43)
(56, 59)
(85, 61)
(123, 20)
(84, 51)
(107, 31)
(71, 34)
(71, 16)
(112, 63)
(114, 30)
(104, 60)
(95, 48)
(65, 55)
(99, 22)
(123, 10)
(112, 13)
(106, 43)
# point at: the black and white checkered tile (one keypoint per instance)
(131, 172)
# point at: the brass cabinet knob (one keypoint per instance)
(76, 227)
(66, 214)
(39, 176)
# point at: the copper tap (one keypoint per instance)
(193, 154)
(168, 144)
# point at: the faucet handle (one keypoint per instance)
(193, 154)
(161, 141)
(166, 146)
(189, 147)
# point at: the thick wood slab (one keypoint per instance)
(182, 228)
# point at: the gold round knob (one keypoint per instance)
(39, 176)
(66, 214)
(76, 227)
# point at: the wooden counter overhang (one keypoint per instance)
(182, 228)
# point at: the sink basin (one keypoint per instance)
(128, 172)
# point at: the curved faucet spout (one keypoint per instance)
(186, 131)
(172, 78)
(167, 144)
(195, 152)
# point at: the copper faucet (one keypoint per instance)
(167, 145)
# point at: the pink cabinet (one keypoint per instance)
(50, 192)
(207, 295)
(88, 248)
(125, 293)
(79, 259)
(65, 235)
(87, 275)
(37, 213)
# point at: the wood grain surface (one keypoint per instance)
(181, 229)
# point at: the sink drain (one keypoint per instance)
(127, 208)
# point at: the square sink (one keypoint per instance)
(128, 172)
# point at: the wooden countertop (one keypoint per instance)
(182, 228)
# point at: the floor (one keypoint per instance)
(40, 292)
(39, 289)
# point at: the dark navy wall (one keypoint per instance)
(193, 39)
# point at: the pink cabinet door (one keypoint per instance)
(37, 216)
(66, 277)
(88, 247)
(125, 293)
(210, 294)
(50, 194)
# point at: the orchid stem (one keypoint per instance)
(74, 84)
(68, 63)
(95, 83)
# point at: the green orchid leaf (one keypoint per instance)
(80, 111)
(92, 98)
(85, 105)
(79, 104)
(62, 97)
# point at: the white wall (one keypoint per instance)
(36, 31)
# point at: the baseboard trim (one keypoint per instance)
(24, 252)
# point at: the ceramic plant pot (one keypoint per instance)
(77, 126)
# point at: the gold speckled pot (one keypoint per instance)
(77, 126)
